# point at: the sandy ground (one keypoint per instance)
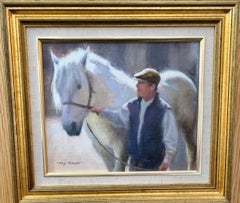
(70, 153)
(76, 154)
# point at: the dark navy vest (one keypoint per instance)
(151, 150)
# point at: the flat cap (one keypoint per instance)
(148, 74)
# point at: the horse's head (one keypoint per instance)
(70, 84)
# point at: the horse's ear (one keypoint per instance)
(55, 59)
(85, 55)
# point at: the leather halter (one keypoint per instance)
(87, 106)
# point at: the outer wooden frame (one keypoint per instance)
(15, 130)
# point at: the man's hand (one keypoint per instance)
(96, 109)
(163, 166)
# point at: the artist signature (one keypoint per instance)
(64, 163)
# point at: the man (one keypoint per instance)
(152, 130)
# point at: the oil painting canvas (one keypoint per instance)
(79, 75)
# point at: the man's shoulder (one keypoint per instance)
(134, 100)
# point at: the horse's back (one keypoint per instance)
(180, 92)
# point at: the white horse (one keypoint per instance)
(83, 78)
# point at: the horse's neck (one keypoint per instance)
(114, 91)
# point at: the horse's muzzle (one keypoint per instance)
(73, 128)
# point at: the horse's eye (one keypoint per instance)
(79, 86)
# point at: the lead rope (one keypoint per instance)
(112, 155)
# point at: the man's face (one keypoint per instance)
(145, 90)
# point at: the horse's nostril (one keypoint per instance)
(73, 126)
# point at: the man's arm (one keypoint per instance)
(119, 117)
(170, 138)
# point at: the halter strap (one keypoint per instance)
(78, 105)
(87, 106)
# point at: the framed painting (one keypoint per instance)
(65, 59)
(94, 91)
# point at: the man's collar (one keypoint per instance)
(153, 99)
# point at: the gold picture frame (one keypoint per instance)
(17, 18)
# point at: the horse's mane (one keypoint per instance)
(97, 64)
(64, 64)
(73, 56)
(111, 71)
(55, 94)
